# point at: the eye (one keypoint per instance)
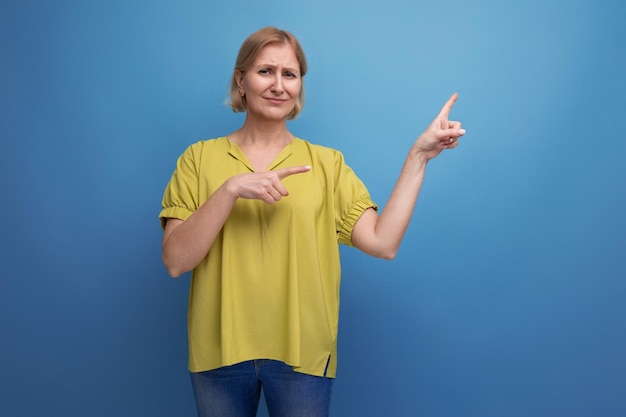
(290, 74)
(265, 71)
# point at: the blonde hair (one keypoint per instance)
(248, 52)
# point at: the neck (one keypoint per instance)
(262, 133)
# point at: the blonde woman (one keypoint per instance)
(258, 216)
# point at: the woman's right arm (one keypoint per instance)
(186, 243)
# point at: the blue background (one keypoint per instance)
(507, 296)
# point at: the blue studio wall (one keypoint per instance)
(507, 296)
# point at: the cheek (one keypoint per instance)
(253, 84)
(296, 88)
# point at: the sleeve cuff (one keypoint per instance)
(181, 213)
(344, 233)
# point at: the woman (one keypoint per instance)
(258, 216)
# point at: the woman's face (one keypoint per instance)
(272, 84)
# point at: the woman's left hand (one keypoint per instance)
(441, 134)
(380, 235)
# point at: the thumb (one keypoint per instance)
(450, 133)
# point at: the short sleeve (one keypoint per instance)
(351, 199)
(181, 196)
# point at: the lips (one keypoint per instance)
(275, 100)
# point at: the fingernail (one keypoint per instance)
(462, 131)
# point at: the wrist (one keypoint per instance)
(415, 163)
(230, 189)
(418, 157)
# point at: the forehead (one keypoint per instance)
(277, 54)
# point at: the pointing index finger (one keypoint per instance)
(285, 172)
(445, 110)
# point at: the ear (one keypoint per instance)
(239, 79)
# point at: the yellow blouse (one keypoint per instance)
(269, 286)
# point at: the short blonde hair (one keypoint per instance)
(248, 52)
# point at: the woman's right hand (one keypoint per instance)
(186, 243)
(266, 186)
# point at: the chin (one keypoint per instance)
(274, 115)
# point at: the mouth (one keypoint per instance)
(275, 100)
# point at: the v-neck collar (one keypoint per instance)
(235, 151)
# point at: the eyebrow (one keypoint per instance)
(261, 66)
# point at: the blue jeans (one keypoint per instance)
(235, 391)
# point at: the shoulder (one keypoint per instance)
(196, 150)
(324, 153)
(201, 145)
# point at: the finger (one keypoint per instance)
(451, 145)
(445, 110)
(453, 124)
(445, 134)
(447, 143)
(278, 191)
(268, 198)
(285, 172)
(276, 194)
(444, 114)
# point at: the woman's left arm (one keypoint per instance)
(380, 236)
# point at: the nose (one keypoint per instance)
(277, 85)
